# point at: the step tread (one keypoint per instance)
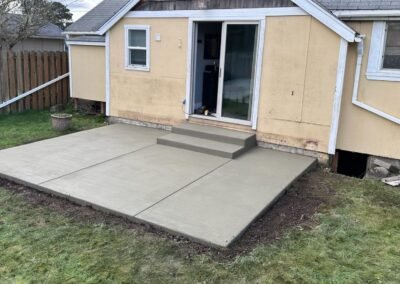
(211, 130)
(202, 143)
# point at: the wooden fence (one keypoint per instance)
(23, 71)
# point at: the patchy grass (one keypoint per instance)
(21, 128)
(327, 229)
(353, 238)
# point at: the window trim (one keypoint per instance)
(375, 70)
(129, 66)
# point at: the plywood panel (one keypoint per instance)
(321, 73)
(88, 72)
(284, 68)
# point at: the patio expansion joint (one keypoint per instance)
(182, 188)
(97, 164)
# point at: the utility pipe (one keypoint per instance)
(355, 101)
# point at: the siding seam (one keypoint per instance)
(305, 71)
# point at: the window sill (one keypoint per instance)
(384, 75)
(137, 68)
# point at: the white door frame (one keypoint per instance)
(222, 66)
(258, 68)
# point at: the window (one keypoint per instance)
(384, 55)
(391, 58)
(137, 48)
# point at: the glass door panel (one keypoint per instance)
(238, 70)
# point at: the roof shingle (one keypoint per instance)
(361, 4)
(98, 16)
(102, 13)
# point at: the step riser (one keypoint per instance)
(247, 143)
(198, 149)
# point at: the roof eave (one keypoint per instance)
(110, 23)
(366, 14)
(312, 8)
(328, 19)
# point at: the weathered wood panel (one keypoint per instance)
(40, 80)
(4, 88)
(20, 80)
(159, 5)
(46, 74)
(12, 76)
(23, 71)
(27, 81)
(59, 83)
(53, 96)
(64, 69)
(33, 64)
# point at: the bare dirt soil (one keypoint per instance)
(296, 208)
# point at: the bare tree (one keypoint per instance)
(19, 19)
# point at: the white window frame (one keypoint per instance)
(375, 70)
(129, 66)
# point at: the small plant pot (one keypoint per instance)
(61, 121)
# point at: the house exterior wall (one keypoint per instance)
(297, 86)
(362, 131)
(298, 83)
(155, 96)
(38, 44)
(88, 72)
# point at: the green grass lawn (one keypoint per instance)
(31, 126)
(354, 237)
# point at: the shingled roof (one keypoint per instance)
(361, 4)
(98, 17)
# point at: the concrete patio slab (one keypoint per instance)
(120, 169)
(132, 183)
(220, 206)
(38, 162)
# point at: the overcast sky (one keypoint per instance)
(79, 7)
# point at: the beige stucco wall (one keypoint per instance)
(297, 86)
(362, 131)
(298, 83)
(88, 72)
(155, 96)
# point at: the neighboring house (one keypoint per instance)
(48, 38)
(307, 76)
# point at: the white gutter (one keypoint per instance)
(355, 101)
(349, 14)
(327, 18)
(90, 43)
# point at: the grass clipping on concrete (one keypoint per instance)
(354, 237)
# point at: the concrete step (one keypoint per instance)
(206, 146)
(247, 140)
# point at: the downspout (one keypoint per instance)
(337, 101)
(355, 101)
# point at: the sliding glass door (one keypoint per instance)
(238, 60)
